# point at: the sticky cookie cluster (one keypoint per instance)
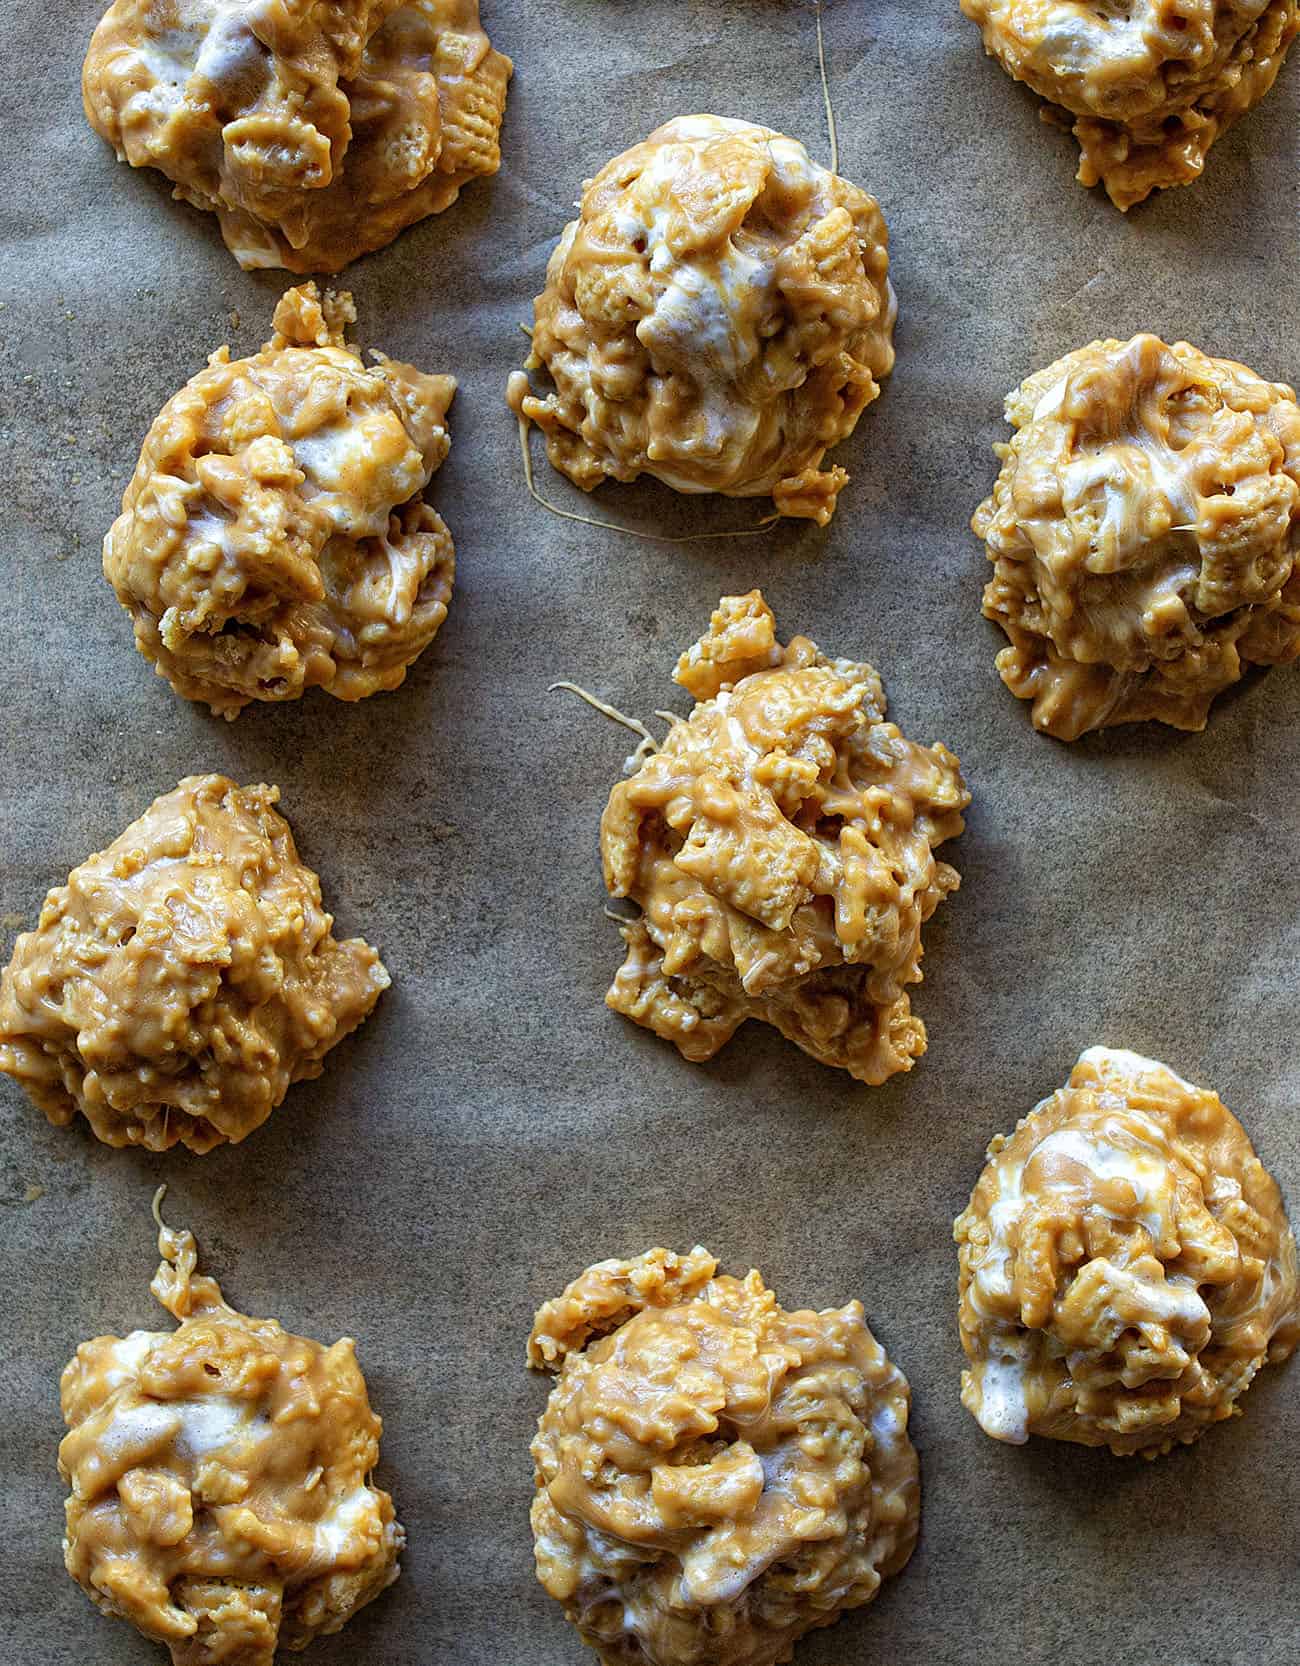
(1126, 1264)
(183, 978)
(1144, 533)
(715, 1476)
(315, 133)
(718, 316)
(274, 537)
(219, 1475)
(1147, 86)
(780, 845)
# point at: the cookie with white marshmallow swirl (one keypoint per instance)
(220, 1478)
(715, 1476)
(1126, 1265)
(718, 316)
(1144, 533)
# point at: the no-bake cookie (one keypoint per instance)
(1126, 1265)
(220, 1478)
(715, 1476)
(1144, 533)
(1147, 86)
(718, 316)
(273, 537)
(780, 846)
(183, 978)
(316, 132)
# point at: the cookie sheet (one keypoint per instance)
(493, 1128)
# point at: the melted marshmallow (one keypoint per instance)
(1001, 1408)
(704, 323)
(1076, 37)
(209, 1424)
(337, 460)
(340, 1525)
(1125, 1063)
(129, 1353)
(129, 1433)
(210, 38)
(1147, 1172)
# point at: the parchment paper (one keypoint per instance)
(493, 1129)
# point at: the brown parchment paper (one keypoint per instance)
(493, 1128)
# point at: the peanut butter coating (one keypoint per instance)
(780, 845)
(1144, 533)
(1126, 1265)
(315, 129)
(219, 1475)
(715, 1476)
(183, 978)
(718, 316)
(273, 537)
(1147, 86)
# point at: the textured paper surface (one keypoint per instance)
(493, 1129)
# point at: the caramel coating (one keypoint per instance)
(1147, 86)
(715, 1476)
(1144, 534)
(183, 978)
(220, 1478)
(1126, 1265)
(780, 845)
(273, 537)
(316, 132)
(718, 316)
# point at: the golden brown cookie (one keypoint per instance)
(718, 316)
(1126, 1265)
(780, 846)
(316, 132)
(274, 536)
(1146, 85)
(220, 1478)
(715, 1476)
(1144, 534)
(183, 978)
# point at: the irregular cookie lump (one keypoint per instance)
(220, 1478)
(1146, 85)
(1144, 533)
(183, 978)
(780, 845)
(316, 132)
(715, 1476)
(718, 316)
(273, 537)
(1126, 1265)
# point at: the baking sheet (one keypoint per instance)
(493, 1129)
